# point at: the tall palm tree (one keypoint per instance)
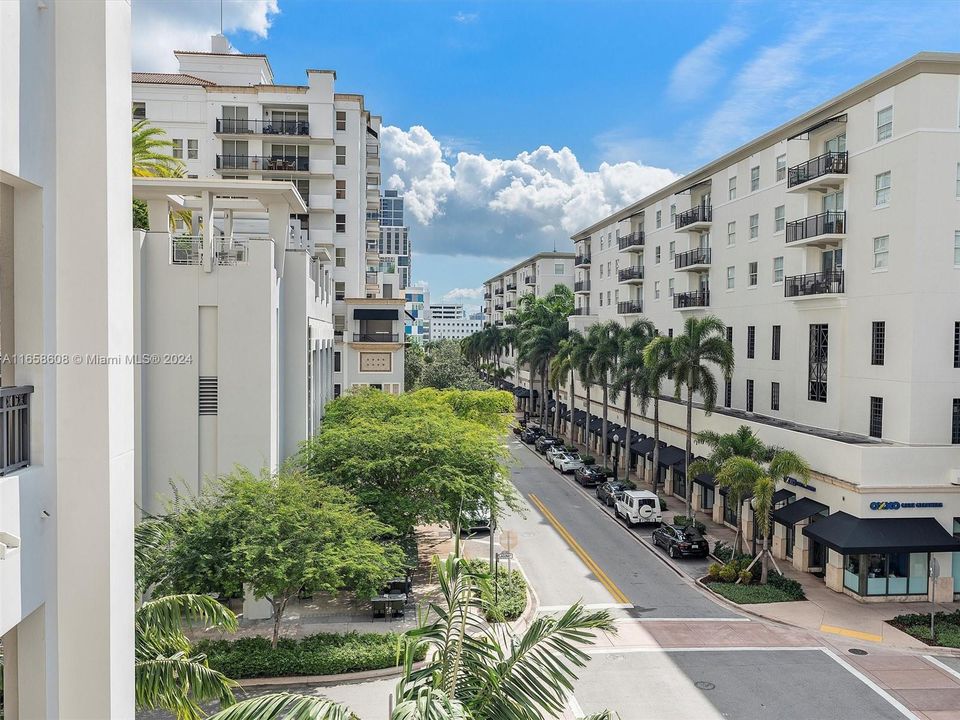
(657, 361)
(581, 357)
(630, 373)
(543, 326)
(739, 475)
(703, 343)
(149, 160)
(784, 463)
(563, 368)
(605, 339)
(742, 443)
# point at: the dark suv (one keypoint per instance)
(590, 475)
(546, 441)
(607, 492)
(530, 435)
(681, 541)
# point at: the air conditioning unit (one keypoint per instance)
(8, 543)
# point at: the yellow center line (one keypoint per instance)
(616, 592)
(857, 634)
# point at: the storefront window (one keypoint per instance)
(887, 573)
(791, 539)
(708, 500)
(851, 573)
(729, 511)
(679, 484)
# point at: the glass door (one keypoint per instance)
(836, 144)
(833, 202)
(831, 260)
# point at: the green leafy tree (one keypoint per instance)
(446, 367)
(605, 341)
(784, 463)
(414, 360)
(702, 344)
(738, 475)
(280, 533)
(630, 374)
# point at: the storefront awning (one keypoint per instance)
(781, 495)
(521, 392)
(851, 535)
(669, 455)
(794, 512)
(707, 480)
(643, 445)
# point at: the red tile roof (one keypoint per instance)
(170, 79)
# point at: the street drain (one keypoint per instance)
(857, 651)
(704, 685)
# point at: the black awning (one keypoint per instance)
(669, 455)
(521, 392)
(850, 535)
(614, 429)
(506, 384)
(794, 512)
(643, 445)
(376, 314)
(780, 495)
(707, 480)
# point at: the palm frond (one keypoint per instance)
(179, 683)
(285, 706)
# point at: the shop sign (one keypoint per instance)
(799, 483)
(897, 505)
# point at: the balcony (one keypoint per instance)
(630, 308)
(188, 250)
(376, 337)
(632, 274)
(581, 260)
(581, 311)
(693, 260)
(498, 306)
(827, 228)
(487, 295)
(826, 172)
(510, 304)
(511, 287)
(695, 219)
(264, 163)
(227, 126)
(530, 280)
(691, 300)
(632, 242)
(581, 286)
(498, 291)
(14, 428)
(813, 284)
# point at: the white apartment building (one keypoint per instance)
(830, 247)
(451, 322)
(417, 313)
(230, 120)
(395, 250)
(66, 299)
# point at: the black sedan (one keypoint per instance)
(681, 541)
(607, 492)
(530, 435)
(590, 475)
(545, 442)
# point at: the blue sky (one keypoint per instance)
(515, 123)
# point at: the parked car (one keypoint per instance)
(474, 516)
(568, 462)
(638, 506)
(681, 541)
(553, 451)
(518, 429)
(530, 435)
(608, 490)
(589, 475)
(544, 443)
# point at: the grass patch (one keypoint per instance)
(321, 654)
(511, 592)
(750, 594)
(946, 625)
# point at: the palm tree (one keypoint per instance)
(784, 463)
(581, 357)
(148, 160)
(742, 443)
(543, 326)
(703, 343)
(630, 373)
(562, 368)
(739, 475)
(605, 339)
(657, 362)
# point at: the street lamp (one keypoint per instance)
(616, 455)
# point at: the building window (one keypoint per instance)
(336, 361)
(177, 148)
(730, 334)
(775, 350)
(659, 217)
(601, 269)
(193, 149)
(558, 269)
(601, 299)
(754, 178)
(341, 189)
(336, 390)
(774, 396)
(341, 154)
(751, 341)
(956, 248)
(731, 277)
(139, 111)
(877, 342)
(958, 180)
(727, 393)
(955, 427)
(880, 252)
(781, 167)
(341, 223)
(656, 255)
(656, 289)
(341, 120)
(732, 188)
(673, 213)
(749, 395)
(956, 344)
(670, 287)
(817, 368)
(672, 249)
(779, 219)
(339, 290)
(885, 123)
(754, 227)
(876, 417)
(752, 274)
(731, 233)
(340, 257)
(778, 269)
(882, 193)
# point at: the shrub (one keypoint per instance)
(588, 459)
(745, 576)
(511, 591)
(946, 627)
(722, 551)
(788, 585)
(728, 573)
(663, 503)
(684, 521)
(714, 570)
(570, 448)
(749, 594)
(321, 654)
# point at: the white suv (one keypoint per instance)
(568, 462)
(638, 506)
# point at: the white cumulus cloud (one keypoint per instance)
(463, 293)
(470, 204)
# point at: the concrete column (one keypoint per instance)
(209, 249)
(91, 667)
(158, 215)
(801, 547)
(834, 571)
(941, 590)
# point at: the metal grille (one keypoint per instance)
(749, 395)
(14, 428)
(751, 341)
(775, 354)
(955, 434)
(727, 393)
(876, 417)
(775, 396)
(956, 344)
(209, 395)
(817, 370)
(877, 342)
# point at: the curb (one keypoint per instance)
(354, 677)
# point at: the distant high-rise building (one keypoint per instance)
(394, 240)
(417, 311)
(451, 322)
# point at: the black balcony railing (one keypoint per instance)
(831, 163)
(582, 260)
(821, 283)
(376, 337)
(634, 272)
(581, 311)
(511, 286)
(498, 291)
(486, 295)
(581, 286)
(696, 298)
(275, 163)
(697, 256)
(263, 127)
(629, 308)
(14, 428)
(826, 223)
(700, 213)
(510, 304)
(530, 280)
(634, 239)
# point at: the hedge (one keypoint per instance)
(511, 592)
(946, 626)
(321, 654)
(749, 594)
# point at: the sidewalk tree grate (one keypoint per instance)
(857, 651)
